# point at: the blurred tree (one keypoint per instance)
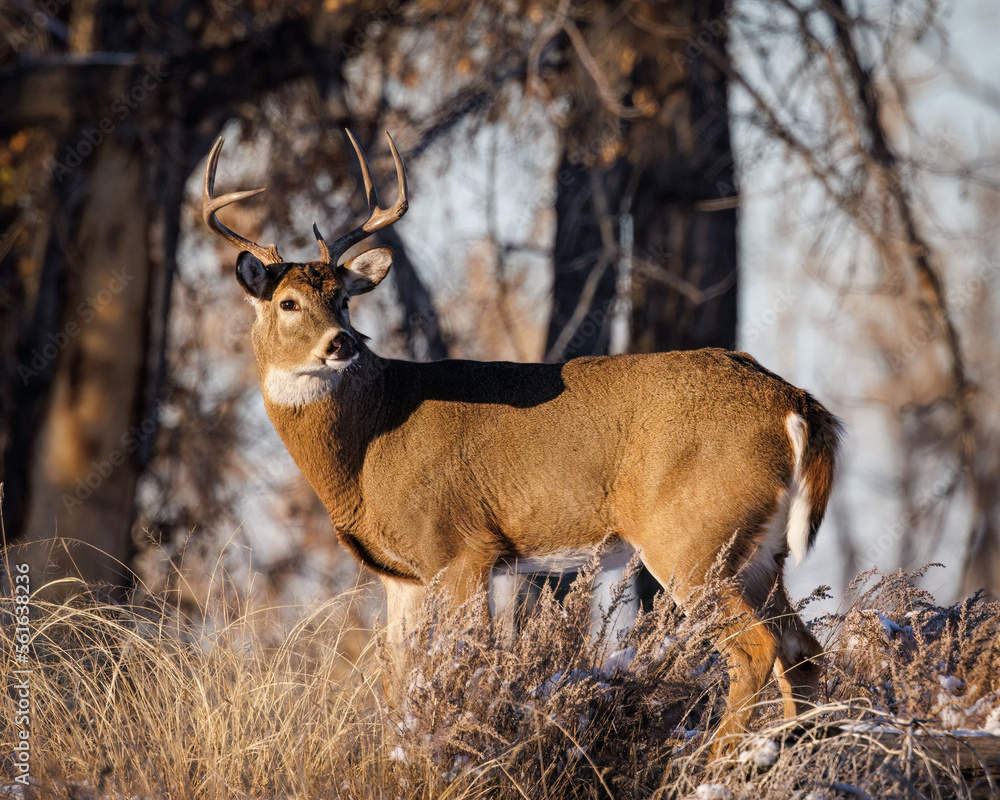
(644, 256)
(126, 119)
(645, 252)
(102, 134)
(646, 202)
(836, 98)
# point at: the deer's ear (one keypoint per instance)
(255, 278)
(366, 270)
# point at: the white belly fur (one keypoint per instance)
(615, 554)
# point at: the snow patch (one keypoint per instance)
(891, 628)
(761, 751)
(398, 754)
(867, 727)
(663, 648)
(712, 791)
(993, 722)
(458, 766)
(618, 662)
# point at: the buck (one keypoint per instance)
(435, 472)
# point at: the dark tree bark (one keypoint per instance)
(82, 477)
(584, 258)
(421, 326)
(684, 282)
(674, 188)
(72, 458)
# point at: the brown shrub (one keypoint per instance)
(135, 703)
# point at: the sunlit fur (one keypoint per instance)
(435, 473)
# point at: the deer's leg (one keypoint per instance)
(797, 668)
(747, 640)
(749, 643)
(751, 646)
(403, 600)
(466, 579)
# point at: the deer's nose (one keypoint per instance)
(340, 346)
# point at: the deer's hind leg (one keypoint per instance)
(751, 647)
(771, 637)
(797, 667)
(748, 641)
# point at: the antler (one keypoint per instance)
(211, 204)
(378, 218)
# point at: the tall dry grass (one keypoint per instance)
(133, 702)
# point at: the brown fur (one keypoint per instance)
(439, 470)
(819, 457)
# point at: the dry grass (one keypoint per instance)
(134, 703)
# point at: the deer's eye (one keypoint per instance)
(289, 305)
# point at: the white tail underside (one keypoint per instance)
(797, 528)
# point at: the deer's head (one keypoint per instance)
(302, 336)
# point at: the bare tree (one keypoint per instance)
(638, 219)
(851, 143)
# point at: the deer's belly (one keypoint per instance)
(614, 553)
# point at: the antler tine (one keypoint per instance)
(211, 204)
(379, 217)
(324, 251)
(401, 203)
(370, 192)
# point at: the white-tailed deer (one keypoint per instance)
(440, 470)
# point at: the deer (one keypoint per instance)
(435, 473)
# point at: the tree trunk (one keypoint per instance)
(665, 212)
(684, 283)
(81, 413)
(81, 478)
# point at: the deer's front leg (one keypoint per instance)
(403, 599)
(465, 581)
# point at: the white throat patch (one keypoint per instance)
(303, 385)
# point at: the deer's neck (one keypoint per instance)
(327, 438)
